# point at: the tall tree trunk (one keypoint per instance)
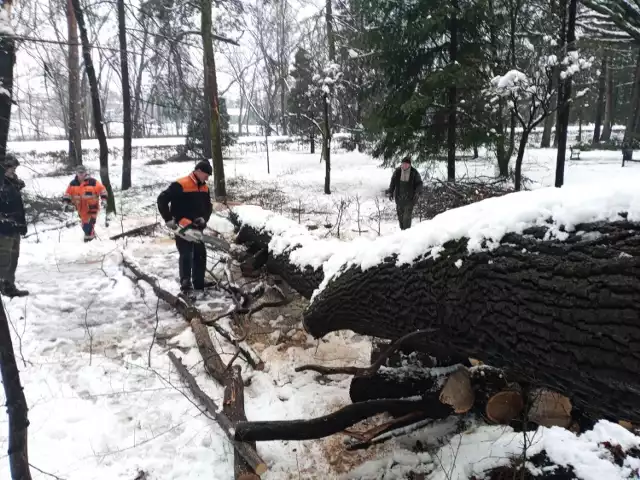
(16, 402)
(523, 145)
(97, 108)
(138, 129)
(453, 104)
(602, 85)
(515, 8)
(551, 119)
(629, 131)
(211, 97)
(7, 60)
(608, 107)
(73, 64)
(240, 112)
(501, 153)
(564, 97)
(326, 138)
(207, 145)
(126, 97)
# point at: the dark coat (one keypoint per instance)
(12, 217)
(185, 199)
(415, 184)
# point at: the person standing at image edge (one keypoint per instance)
(13, 224)
(86, 194)
(405, 187)
(186, 203)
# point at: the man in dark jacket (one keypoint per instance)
(187, 204)
(405, 187)
(12, 225)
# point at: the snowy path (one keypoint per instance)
(98, 411)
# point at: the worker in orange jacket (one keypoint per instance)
(86, 194)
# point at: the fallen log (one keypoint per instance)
(335, 422)
(233, 408)
(144, 230)
(560, 313)
(303, 280)
(198, 323)
(248, 454)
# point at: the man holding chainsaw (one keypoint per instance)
(85, 194)
(186, 208)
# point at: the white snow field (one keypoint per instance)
(105, 402)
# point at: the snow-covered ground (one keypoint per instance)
(105, 402)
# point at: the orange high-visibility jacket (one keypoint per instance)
(85, 195)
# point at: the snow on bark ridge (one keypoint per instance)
(288, 236)
(484, 224)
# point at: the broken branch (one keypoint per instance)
(248, 454)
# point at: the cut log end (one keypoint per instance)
(504, 407)
(550, 409)
(457, 391)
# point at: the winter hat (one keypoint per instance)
(81, 169)
(10, 161)
(204, 167)
(406, 160)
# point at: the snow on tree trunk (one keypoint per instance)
(559, 312)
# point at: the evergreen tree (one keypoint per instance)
(304, 101)
(419, 80)
(196, 129)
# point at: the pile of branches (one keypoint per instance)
(438, 196)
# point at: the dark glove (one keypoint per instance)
(68, 207)
(200, 222)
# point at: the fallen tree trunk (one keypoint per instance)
(558, 313)
(304, 281)
(248, 454)
(233, 408)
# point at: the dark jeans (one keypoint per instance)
(193, 263)
(88, 225)
(9, 253)
(404, 211)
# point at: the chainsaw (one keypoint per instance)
(191, 234)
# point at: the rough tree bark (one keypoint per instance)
(211, 98)
(75, 115)
(97, 109)
(126, 97)
(562, 313)
(303, 281)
